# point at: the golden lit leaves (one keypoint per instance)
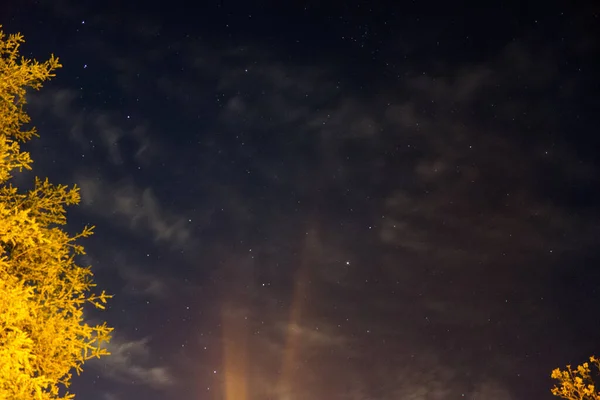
(578, 383)
(43, 335)
(17, 74)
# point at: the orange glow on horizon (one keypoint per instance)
(235, 353)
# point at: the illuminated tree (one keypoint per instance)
(43, 335)
(578, 383)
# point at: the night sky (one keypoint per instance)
(362, 201)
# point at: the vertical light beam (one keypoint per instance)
(297, 308)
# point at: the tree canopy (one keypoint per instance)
(577, 383)
(43, 290)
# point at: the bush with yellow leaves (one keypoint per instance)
(578, 383)
(43, 334)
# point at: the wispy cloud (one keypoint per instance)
(139, 207)
(131, 362)
(102, 131)
(140, 283)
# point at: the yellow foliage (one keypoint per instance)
(578, 383)
(43, 335)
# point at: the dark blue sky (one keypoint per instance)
(351, 201)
